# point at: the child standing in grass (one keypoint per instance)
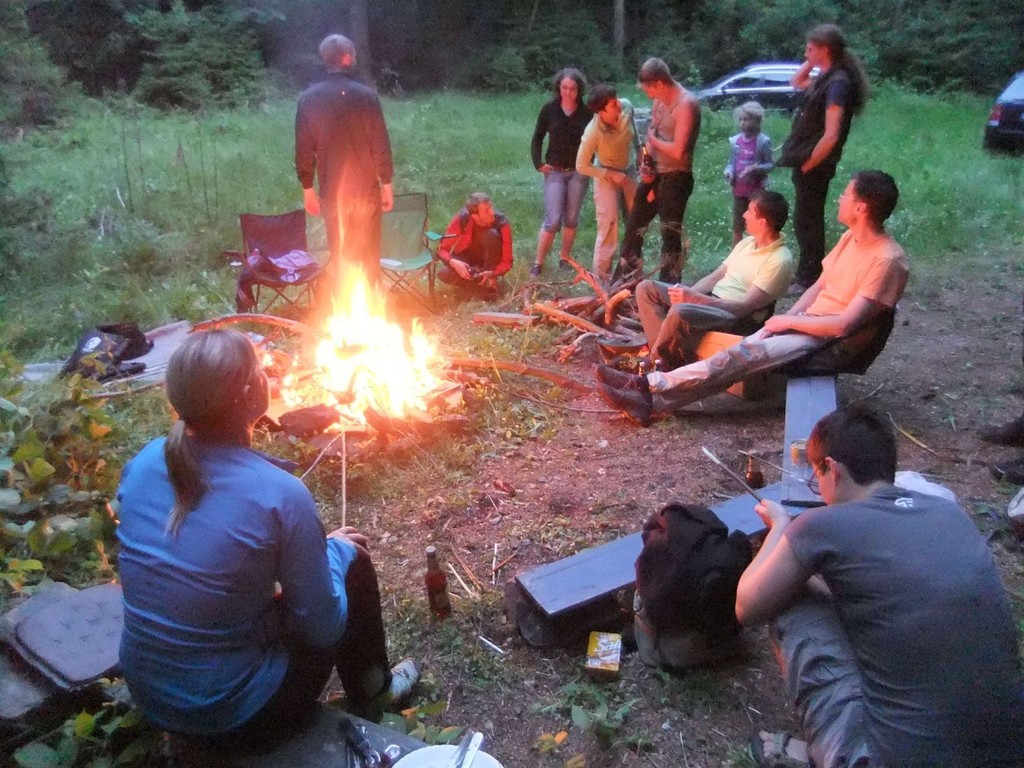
(750, 160)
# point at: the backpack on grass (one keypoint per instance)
(102, 351)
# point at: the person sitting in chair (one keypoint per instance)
(862, 279)
(736, 297)
(477, 249)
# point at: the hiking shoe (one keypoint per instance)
(1011, 433)
(404, 676)
(619, 379)
(634, 402)
(535, 270)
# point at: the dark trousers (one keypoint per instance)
(360, 657)
(810, 190)
(671, 193)
(483, 254)
(353, 237)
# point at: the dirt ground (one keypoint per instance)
(952, 364)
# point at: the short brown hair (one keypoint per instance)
(655, 71)
(474, 201)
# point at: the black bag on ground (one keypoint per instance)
(686, 577)
(102, 351)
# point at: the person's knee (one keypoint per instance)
(551, 227)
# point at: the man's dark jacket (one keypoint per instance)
(340, 135)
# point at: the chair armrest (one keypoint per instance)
(433, 240)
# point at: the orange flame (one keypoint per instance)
(368, 361)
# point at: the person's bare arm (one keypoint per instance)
(860, 312)
(802, 78)
(775, 578)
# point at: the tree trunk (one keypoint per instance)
(619, 33)
(358, 19)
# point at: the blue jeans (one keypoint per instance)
(563, 197)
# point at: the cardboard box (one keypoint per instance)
(603, 653)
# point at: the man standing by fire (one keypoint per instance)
(342, 141)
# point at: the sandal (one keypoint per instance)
(778, 750)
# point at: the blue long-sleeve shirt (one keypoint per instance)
(202, 644)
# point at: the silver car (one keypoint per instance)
(767, 83)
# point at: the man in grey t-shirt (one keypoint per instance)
(895, 635)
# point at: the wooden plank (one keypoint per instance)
(807, 400)
(596, 572)
(581, 578)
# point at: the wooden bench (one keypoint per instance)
(595, 573)
(807, 400)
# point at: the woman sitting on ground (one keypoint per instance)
(236, 605)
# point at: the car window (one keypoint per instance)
(747, 81)
(777, 78)
(1015, 90)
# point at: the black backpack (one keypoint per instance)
(687, 572)
(102, 351)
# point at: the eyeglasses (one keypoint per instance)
(812, 482)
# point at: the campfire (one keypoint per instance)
(367, 368)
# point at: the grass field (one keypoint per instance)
(142, 203)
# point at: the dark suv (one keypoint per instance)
(1005, 126)
(767, 84)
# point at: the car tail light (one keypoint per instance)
(996, 114)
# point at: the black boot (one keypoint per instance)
(1011, 433)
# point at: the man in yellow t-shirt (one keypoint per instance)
(737, 297)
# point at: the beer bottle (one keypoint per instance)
(754, 476)
(437, 586)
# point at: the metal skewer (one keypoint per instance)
(731, 474)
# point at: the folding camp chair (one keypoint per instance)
(407, 249)
(277, 266)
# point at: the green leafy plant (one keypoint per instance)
(593, 709)
(114, 735)
(55, 479)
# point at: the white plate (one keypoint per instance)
(440, 755)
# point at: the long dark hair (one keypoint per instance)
(830, 36)
(577, 77)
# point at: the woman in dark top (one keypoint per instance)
(563, 120)
(815, 144)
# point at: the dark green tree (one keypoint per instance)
(193, 58)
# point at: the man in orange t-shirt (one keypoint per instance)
(862, 278)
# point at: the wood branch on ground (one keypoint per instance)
(280, 322)
(504, 318)
(567, 317)
(585, 276)
(520, 368)
(613, 302)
